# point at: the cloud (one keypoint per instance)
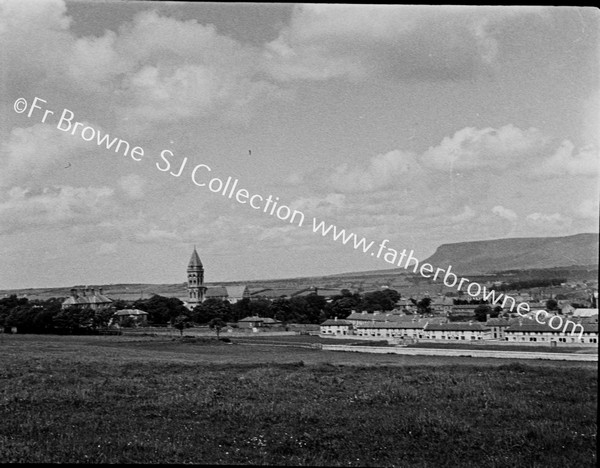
(383, 171)
(39, 149)
(54, 206)
(555, 219)
(568, 162)
(470, 149)
(320, 206)
(396, 41)
(133, 186)
(467, 214)
(505, 213)
(154, 69)
(588, 209)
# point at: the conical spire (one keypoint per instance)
(195, 260)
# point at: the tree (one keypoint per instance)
(210, 309)
(424, 306)
(379, 300)
(74, 318)
(217, 324)
(161, 310)
(181, 322)
(551, 304)
(481, 312)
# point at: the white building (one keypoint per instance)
(457, 331)
(336, 327)
(532, 331)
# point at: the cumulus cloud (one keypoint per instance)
(505, 213)
(154, 69)
(566, 161)
(383, 171)
(53, 206)
(555, 219)
(471, 149)
(40, 148)
(466, 214)
(403, 42)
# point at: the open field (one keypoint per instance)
(142, 399)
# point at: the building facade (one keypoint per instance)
(87, 298)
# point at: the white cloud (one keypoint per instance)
(398, 41)
(384, 170)
(39, 149)
(55, 206)
(555, 219)
(471, 149)
(505, 213)
(568, 162)
(154, 69)
(467, 214)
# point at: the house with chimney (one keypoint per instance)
(87, 298)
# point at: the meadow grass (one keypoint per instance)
(123, 400)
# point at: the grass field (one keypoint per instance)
(143, 399)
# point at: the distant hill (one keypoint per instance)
(517, 254)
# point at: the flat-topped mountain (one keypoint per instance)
(517, 253)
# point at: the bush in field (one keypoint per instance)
(217, 325)
(161, 310)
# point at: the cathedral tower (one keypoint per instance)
(195, 276)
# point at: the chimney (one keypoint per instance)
(100, 291)
(335, 319)
(84, 291)
(93, 291)
(73, 292)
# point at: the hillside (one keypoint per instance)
(573, 257)
(517, 254)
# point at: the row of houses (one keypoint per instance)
(512, 330)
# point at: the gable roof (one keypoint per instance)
(342, 323)
(457, 326)
(237, 291)
(216, 291)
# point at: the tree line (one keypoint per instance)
(48, 316)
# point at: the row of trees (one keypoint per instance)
(48, 316)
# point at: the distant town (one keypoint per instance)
(407, 312)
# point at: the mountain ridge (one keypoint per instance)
(518, 253)
(470, 258)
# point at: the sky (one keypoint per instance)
(423, 125)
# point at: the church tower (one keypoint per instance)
(195, 276)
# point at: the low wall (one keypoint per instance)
(464, 352)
